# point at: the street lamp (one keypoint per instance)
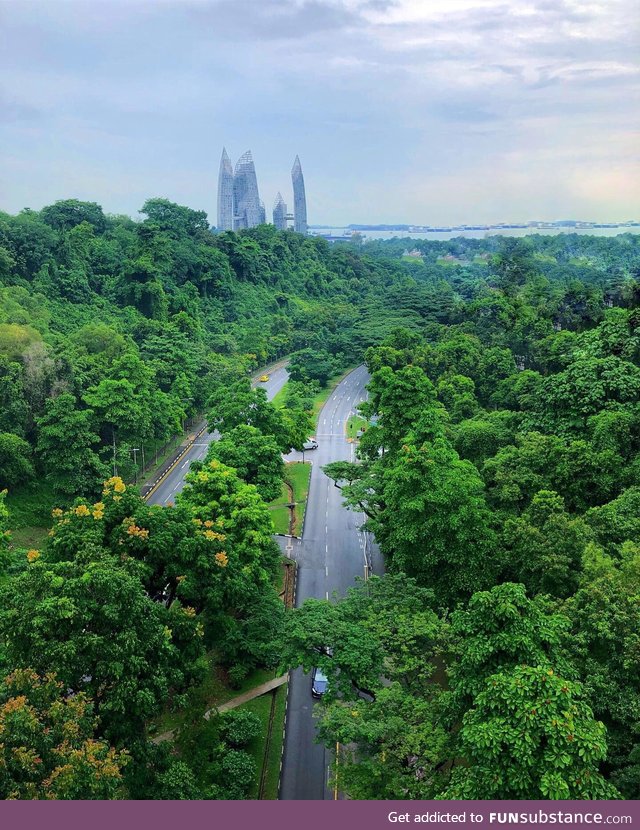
(135, 450)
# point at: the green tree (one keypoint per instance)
(67, 445)
(530, 735)
(91, 623)
(15, 460)
(435, 524)
(311, 364)
(498, 630)
(256, 458)
(240, 404)
(66, 214)
(605, 646)
(47, 744)
(545, 546)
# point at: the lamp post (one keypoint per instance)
(135, 450)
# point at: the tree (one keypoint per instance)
(311, 364)
(66, 214)
(15, 460)
(605, 646)
(240, 404)
(67, 446)
(245, 621)
(47, 748)
(435, 524)
(14, 410)
(530, 735)
(379, 647)
(91, 623)
(545, 546)
(256, 458)
(498, 630)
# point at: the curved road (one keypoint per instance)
(168, 489)
(332, 552)
(330, 555)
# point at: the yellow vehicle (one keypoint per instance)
(263, 378)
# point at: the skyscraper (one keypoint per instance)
(225, 193)
(299, 198)
(280, 213)
(248, 211)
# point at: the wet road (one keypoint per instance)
(331, 554)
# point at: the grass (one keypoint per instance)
(280, 517)
(261, 706)
(29, 537)
(297, 475)
(355, 423)
(280, 397)
(30, 505)
(212, 691)
(275, 749)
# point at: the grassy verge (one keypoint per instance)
(261, 706)
(30, 505)
(280, 397)
(297, 475)
(280, 517)
(355, 423)
(275, 748)
(212, 691)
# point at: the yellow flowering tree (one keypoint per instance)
(47, 744)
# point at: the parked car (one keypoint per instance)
(263, 378)
(319, 683)
(311, 444)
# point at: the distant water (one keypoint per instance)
(482, 234)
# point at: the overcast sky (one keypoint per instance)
(419, 111)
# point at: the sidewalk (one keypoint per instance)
(245, 697)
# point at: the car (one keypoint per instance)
(311, 444)
(263, 378)
(319, 683)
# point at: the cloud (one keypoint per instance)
(371, 93)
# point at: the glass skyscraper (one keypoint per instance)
(280, 213)
(239, 203)
(248, 210)
(225, 193)
(299, 198)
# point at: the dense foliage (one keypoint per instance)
(499, 473)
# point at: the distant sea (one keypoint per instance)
(477, 234)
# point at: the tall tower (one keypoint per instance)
(299, 198)
(248, 211)
(280, 213)
(225, 193)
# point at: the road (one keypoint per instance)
(330, 556)
(169, 488)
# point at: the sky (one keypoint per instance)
(402, 111)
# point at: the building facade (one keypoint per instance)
(280, 213)
(225, 193)
(299, 198)
(239, 203)
(247, 207)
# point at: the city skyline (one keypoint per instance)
(403, 111)
(239, 203)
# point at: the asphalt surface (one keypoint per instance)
(166, 492)
(331, 554)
